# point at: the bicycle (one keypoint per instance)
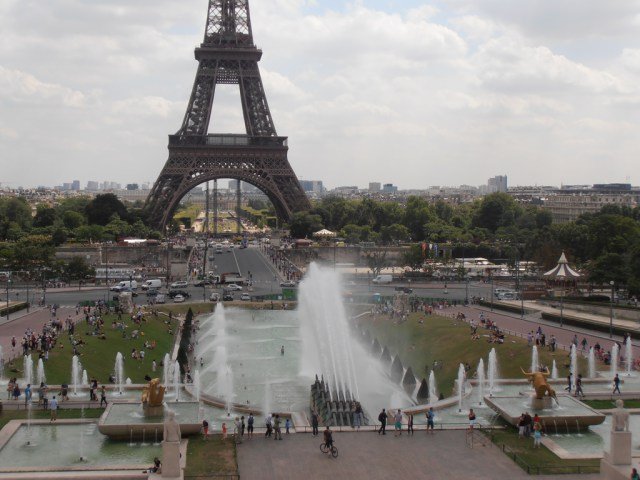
(333, 451)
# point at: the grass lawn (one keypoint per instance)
(608, 404)
(37, 414)
(522, 452)
(449, 341)
(214, 456)
(98, 356)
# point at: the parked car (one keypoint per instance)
(152, 292)
(160, 298)
(234, 287)
(173, 293)
(245, 297)
(180, 284)
(214, 297)
(288, 283)
(178, 299)
(227, 297)
(202, 283)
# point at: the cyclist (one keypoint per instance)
(328, 438)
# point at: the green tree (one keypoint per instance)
(304, 224)
(495, 211)
(102, 208)
(45, 216)
(77, 268)
(394, 233)
(72, 219)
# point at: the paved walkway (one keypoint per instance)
(370, 456)
(34, 320)
(564, 334)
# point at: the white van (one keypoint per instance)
(153, 283)
(214, 297)
(125, 284)
(381, 279)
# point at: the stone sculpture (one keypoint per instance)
(620, 416)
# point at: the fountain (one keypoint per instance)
(119, 373)
(40, 376)
(166, 365)
(85, 378)
(493, 371)
(535, 362)
(176, 380)
(628, 353)
(76, 374)
(27, 364)
(433, 388)
(266, 407)
(614, 359)
(545, 403)
(592, 363)
(196, 385)
(460, 386)
(554, 370)
(480, 381)
(130, 421)
(574, 367)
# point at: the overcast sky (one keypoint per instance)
(409, 92)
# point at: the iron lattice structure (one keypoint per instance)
(259, 157)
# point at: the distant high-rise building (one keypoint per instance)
(374, 187)
(66, 186)
(93, 186)
(389, 188)
(75, 185)
(497, 184)
(314, 186)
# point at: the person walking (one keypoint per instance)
(410, 424)
(250, 421)
(397, 423)
(276, 427)
(314, 423)
(269, 426)
(382, 418)
(537, 435)
(27, 395)
(579, 392)
(205, 429)
(53, 406)
(103, 396)
(568, 387)
(357, 416)
(430, 420)
(472, 419)
(616, 384)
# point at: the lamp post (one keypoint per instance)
(491, 280)
(8, 284)
(612, 283)
(466, 296)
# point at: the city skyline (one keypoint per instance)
(446, 92)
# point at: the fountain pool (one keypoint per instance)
(56, 446)
(252, 343)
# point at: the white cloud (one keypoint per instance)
(432, 95)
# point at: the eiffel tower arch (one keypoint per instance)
(259, 156)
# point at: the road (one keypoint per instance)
(247, 261)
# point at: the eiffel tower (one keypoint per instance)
(259, 157)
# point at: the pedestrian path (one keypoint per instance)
(368, 456)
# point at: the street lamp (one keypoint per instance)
(612, 283)
(8, 284)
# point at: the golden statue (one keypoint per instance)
(540, 385)
(153, 393)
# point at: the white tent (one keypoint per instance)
(324, 233)
(562, 271)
